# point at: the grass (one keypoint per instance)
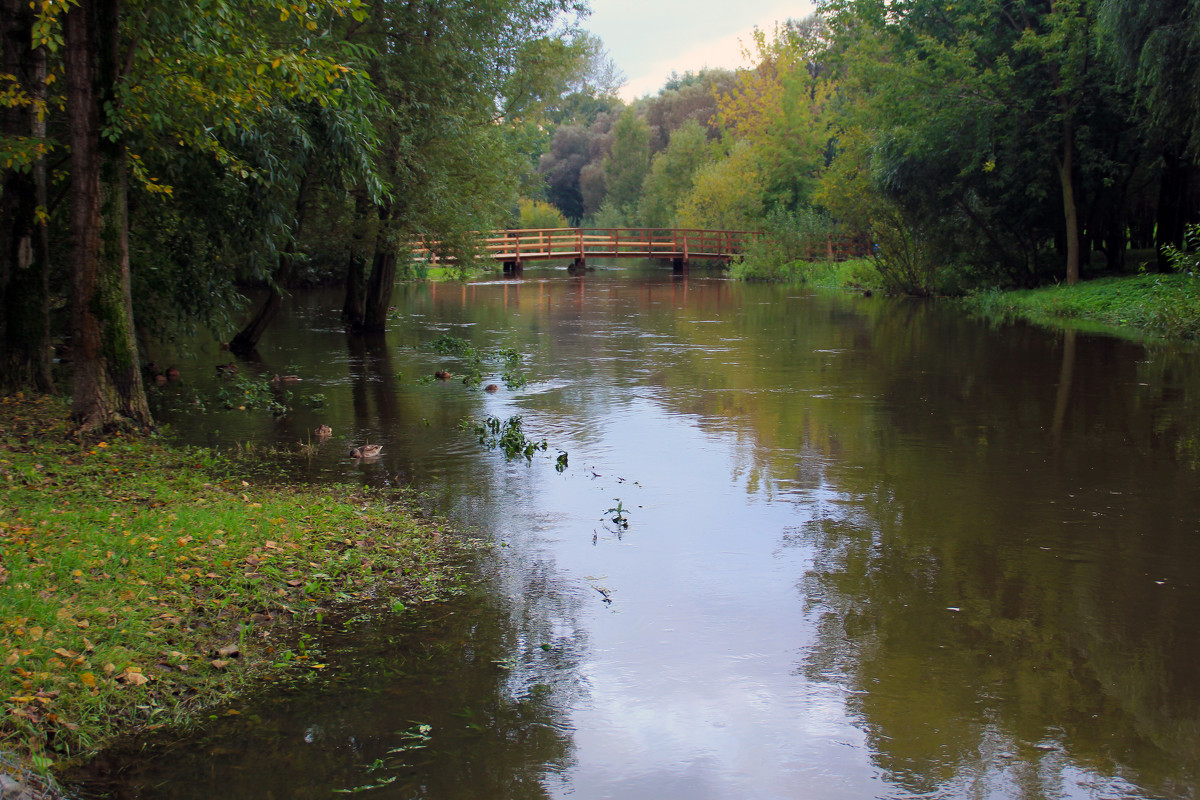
(855, 273)
(140, 584)
(1156, 305)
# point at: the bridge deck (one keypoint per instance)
(679, 245)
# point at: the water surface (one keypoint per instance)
(875, 548)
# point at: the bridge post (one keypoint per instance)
(679, 265)
(514, 268)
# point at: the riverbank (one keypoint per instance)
(1156, 305)
(141, 584)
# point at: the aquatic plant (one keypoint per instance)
(617, 514)
(475, 362)
(507, 436)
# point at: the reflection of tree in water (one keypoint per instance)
(974, 663)
(493, 731)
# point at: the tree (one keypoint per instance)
(184, 76)
(781, 108)
(726, 194)
(957, 88)
(452, 74)
(672, 174)
(1156, 48)
(628, 162)
(24, 245)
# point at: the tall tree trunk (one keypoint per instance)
(248, 337)
(1173, 204)
(353, 310)
(24, 254)
(383, 277)
(1066, 169)
(108, 387)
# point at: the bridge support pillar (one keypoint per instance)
(679, 265)
(513, 268)
(578, 266)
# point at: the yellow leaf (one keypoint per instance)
(284, 14)
(275, 63)
(36, 633)
(87, 679)
(12, 659)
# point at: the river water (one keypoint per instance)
(874, 549)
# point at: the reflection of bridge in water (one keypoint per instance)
(680, 246)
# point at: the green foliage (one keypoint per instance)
(1186, 261)
(628, 162)
(618, 514)
(671, 174)
(791, 238)
(540, 214)
(507, 436)
(726, 194)
(474, 362)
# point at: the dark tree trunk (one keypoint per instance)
(1174, 207)
(24, 252)
(353, 310)
(108, 387)
(248, 337)
(383, 277)
(1066, 175)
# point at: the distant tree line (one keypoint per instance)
(975, 143)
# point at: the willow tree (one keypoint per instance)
(185, 74)
(454, 75)
(1156, 47)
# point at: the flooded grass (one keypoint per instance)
(1166, 306)
(141, 584)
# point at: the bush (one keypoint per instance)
(540, 214)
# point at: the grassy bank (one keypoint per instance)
(855, 273)
(140, 584)
(1166, 306)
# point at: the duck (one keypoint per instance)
(323, 431)
(279, 380)
(159, 379)
(442, 375)
(172, 373)
(366, 450)
(228, 369)
(491, 387)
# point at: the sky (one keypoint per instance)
(649, 38)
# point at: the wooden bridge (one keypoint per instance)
(514, 248)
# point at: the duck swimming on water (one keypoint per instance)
(366, 450)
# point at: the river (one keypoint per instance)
(805, 545)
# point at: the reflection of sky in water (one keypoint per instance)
(720, 667)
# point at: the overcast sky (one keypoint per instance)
(649, 38)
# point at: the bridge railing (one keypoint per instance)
(528, 244)
(537, 244)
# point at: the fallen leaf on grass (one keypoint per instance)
(133, 677)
